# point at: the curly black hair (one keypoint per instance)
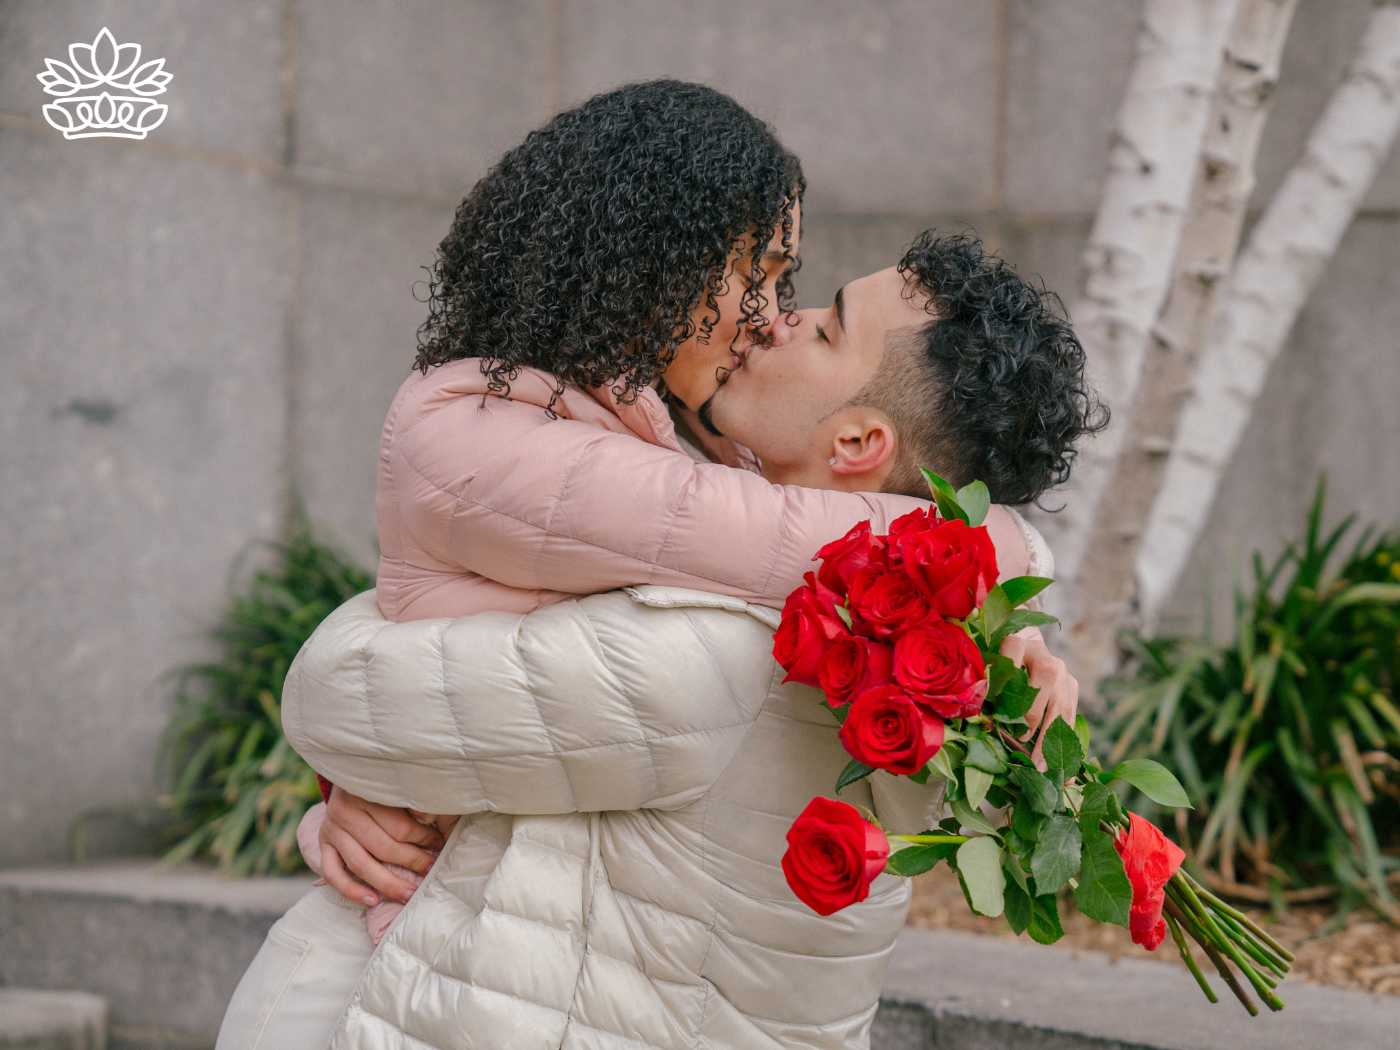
(1000, 393)
(587, 247)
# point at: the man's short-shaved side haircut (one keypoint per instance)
(992, 387)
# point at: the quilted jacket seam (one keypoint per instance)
(400, 755)
(539, 715)
(631, 706)
(452, 709)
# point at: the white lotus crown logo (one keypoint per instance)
(104, 90)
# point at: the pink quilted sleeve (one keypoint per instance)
(567, 506)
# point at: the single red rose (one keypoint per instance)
(884, 728)
(884, 603)
(942, 668)
(1150, 860)
(808, 626)
(916, 520)
(833, 855)
(953, 564)
(842, 559)
(852, 665)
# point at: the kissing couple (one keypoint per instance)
(558, 757)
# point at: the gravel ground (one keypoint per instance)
(1364, 953)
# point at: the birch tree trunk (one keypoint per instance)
(1224, 182)
(1298, 232)
(1128, 259)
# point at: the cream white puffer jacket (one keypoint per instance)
(633, 764)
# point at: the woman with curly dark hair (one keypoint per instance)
(632, 238)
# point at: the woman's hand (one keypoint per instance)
(359, 837)
(1059, 690)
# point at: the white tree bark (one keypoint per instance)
(1224, 182)
(1128, 259)
(1298, 232)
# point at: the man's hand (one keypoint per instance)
(1059, 690)
(359, 837)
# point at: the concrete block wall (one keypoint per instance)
(198, 329)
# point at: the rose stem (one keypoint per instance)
(1189, 959)
(931, 840)
(1240, 917)
(1215, 957)
(1226, 944)
(1260, 952)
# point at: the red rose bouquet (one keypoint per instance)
(902, 634)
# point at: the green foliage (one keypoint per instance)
(236, 788)
(1288, 737)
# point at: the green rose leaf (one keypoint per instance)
(1098, 806)
(1021, 589)
(1045, 920)
(1063, 755)
(1016, 697)
(1017, 620)
(1056, 857)
(1154, 780)
(854, 771)
(942, 764)
(921, 776)
(1037, 791)
(996, 612)
(1104, 893)
(1013, 869)
(1081, 730)
(917, 859)
(1017, 904)
(979, 871)
(975, 500)
(970, 818)
(1026, 822)
(845, 615)
(984, 755)
(976, 782)
(945, 496)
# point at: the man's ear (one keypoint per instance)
(863, 446)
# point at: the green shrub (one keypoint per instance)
(1288, 737)
(237, 790)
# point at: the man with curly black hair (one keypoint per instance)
(950, 360)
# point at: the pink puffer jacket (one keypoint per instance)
(489, 503)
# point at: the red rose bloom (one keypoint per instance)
(852, 665)
(842, 559)
(808, 626)
(953, 564)
(833, 855)
(885, 602)
(942, 669)
(1150, 859)
(884, 728)
(915, 521)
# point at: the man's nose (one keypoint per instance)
(781, 330)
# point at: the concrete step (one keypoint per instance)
(959, 991)
(165, 947)
(36, 1019)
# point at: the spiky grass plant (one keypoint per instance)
(1288, 738)
(237, 790)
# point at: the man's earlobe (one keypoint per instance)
(865, 448)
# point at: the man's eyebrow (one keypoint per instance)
(841, 308)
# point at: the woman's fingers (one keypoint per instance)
(400, 825)
(334, 873)
(368, 870)
(386, 847)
